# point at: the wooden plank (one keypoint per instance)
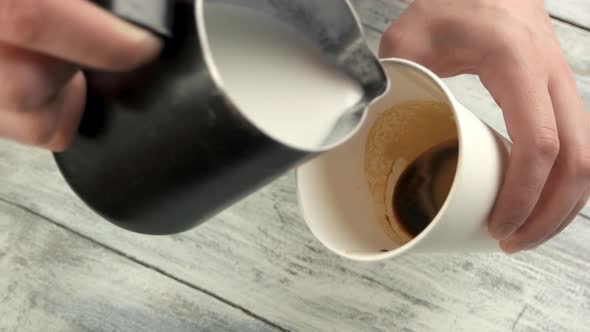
(54, 280)
(260, 255)
(574, 11)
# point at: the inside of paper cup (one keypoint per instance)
(336, 194)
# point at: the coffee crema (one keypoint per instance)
(424, 186)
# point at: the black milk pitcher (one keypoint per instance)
(163, 148)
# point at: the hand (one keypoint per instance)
(512, 47)
(42, 45)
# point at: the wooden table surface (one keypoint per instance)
(256, 266)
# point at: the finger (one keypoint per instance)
(569, 184)
(70, 115)
(522, 94)
(51, 125)
(571, 173)
(76, 31)
(398, 42)
(35, 108)
(28, 79)
(557, 202)
(447, 50)
(573, 215)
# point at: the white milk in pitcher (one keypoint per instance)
(276, 77)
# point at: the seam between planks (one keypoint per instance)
(570, 23)
(372, 28)
(147, 265)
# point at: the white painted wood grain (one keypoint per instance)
(260, 255)
(54, 280)
(576, 11)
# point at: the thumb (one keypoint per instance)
(408, 40)
(400, 41)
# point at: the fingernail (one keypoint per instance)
(513, 247)
(502, 231)
(507, 248)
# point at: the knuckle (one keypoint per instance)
(506, 33)
(516, 39)
(22, 21)
(394, 43)
(546, 142)
(389, 41)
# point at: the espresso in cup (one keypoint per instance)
(423, 187)
(410, 178)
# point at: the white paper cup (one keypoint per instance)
(338, 206)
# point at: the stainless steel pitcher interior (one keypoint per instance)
(334, 28)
